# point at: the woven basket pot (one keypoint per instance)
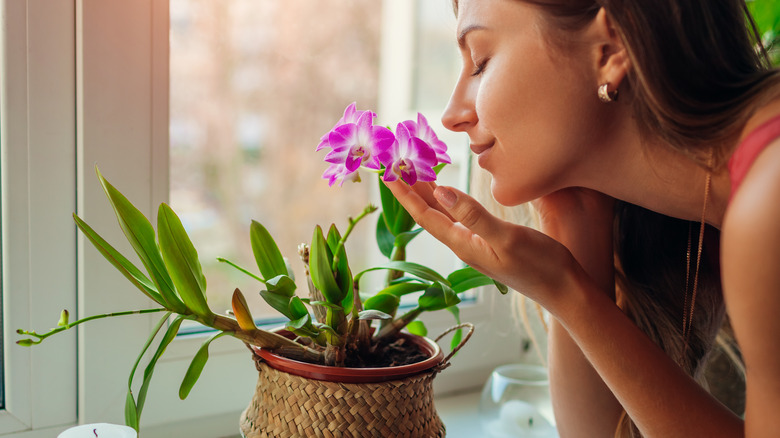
(296, 399)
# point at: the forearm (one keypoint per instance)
(583, 404)
(661, 399)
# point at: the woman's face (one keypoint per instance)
(528, 104)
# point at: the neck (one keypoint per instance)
(651, 174)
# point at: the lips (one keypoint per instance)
(478, 148)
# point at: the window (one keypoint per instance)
(87, 83)
(276, 77)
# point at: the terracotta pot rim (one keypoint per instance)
(354, 375)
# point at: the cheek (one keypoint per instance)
(545, 122)
(514, 106)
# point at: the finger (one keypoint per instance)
(425, 190)
(466, 243)
(470, 213)
(431, 216)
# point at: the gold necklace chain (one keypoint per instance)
(688, 310)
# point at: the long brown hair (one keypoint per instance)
(698, 72)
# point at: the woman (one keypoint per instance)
(665, 106)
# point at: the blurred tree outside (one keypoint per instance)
(253, 86)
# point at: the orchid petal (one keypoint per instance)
(324, 143)
(343, 137)
(389, 175)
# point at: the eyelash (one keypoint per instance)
(480, 68)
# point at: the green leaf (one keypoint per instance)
(136, 277)
(325, 328)
(320, 261)
(267, 255)
(278, 301)
(196, 366)
(766, 14)
(321, 303)
(168, 337)
(343, 273)
(417, 328)
(241, 311)
(401, 289)
(348, 302)
(390, 205)
(415, 269)
(403, 221)
(437, 297)
(468, 278)
(297, 308)
(459, 332)
(282, 285)
(299, 323)
(182, 261)
(131, 414)
(404, 238)
(384, 238)
(373, 314)
(307, 331)
(387, 303)
(140, 234)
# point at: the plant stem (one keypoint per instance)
(271, 341)
(398, 255)
(352, 222)
(61, 328)
(398, 324)
(223, 260)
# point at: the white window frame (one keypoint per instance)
(115, 81)
(37, 102)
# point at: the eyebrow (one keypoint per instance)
(465, 31)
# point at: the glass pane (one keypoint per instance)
(436, 60)
(253, 86)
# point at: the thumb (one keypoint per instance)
(470, 213)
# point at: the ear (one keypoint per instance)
(610, 56)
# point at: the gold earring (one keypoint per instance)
(605, 95)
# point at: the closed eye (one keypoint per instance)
(480, 68)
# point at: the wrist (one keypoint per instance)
(578, 292)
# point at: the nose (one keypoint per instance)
(461, 114)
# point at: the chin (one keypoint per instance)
(507, 195)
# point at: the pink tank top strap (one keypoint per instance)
(749, 149)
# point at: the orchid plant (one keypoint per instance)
(333, 324)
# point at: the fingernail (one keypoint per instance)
(445, 196)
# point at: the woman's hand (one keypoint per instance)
(520, 257)
(582, 220)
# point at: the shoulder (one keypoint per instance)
(750, 263)
(753, 214)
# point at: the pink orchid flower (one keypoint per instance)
(355, 144)
(338, 173)
(351, 115)
(422, 130)
(408, 158)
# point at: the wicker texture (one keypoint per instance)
(285, 405)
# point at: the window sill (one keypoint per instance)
(460, 414)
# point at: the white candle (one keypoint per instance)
(99, 430)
